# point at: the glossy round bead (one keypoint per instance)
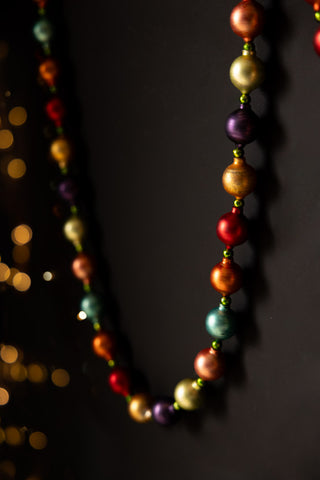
(42, 30)
(49, 71)
(83, 267)
(119, 381)
(104, 345)
(188, 394)
(74, 230)
(239, 179)
(247, 72)
(232, 228)
(61, 151)
(139, 408)
(56, 110)
(68, 190)
(316, 41)
(209, 364)
(41, 3)
(242, 125)
(226, 277)
(315, 4)
(221, 323)
(247, 19)
(163, 412)
(92, 305)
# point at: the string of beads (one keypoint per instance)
(316, 38)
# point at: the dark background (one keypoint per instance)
(148, 92)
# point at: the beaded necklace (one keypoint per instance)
(239, 179)
(316, 38)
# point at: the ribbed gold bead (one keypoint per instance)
(139, 408)
(188, 394)
(247, 72)
(239, 179)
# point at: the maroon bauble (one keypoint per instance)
(316, 41)
(56, 111)
(119, 381)
(232, 228)
(209, 364)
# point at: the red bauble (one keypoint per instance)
(56, 110)
(316, 41)
(232, 228)
(104, 345)
(83, 267)
(119, 381)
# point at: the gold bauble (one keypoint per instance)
(61, 151)
(239, 178)
(74, 230)
(247, 72)
(139, 408)
(188, 394)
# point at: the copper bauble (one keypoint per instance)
(83, 267)
(209, 364)
(239, 178)
(104, 345)
(226, 277)
(247, 19)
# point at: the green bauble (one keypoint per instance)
(92, 305)
(43, 31)
(221, 322)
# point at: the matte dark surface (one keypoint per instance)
(151, 80)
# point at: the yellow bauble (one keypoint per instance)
(74, 230)
(239, 178)
(188, 394)
(247, 72)
(139, 408)
(61, 151)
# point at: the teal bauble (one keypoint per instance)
(221, 322)
(43, 31)
(92, 305)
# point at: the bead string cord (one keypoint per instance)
(316, 38)
(239, 179)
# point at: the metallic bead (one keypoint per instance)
(216, 345)
(49, 71)
(315, 4)
(74, 230)
(245, 99)
(225, 301)
(42, 30)
(316, 41)
(119, 381)
(228, 253)
(238, 152)
(93, 306)
(239, 179)
(139, 408)
(247, 72)
(226, 277)
(163, 411)
(61, 151)
(242, 125)
(317, 16)
(232, 228)
(56, 110)
(104, 345)
(238, 203)
(67, 189)
(187, 396)
(209, 364)
(247, 19)
(221, 323)
(83, 267)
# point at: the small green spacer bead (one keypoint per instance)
(245, 98)
(227, 253)
(53, 89)
(238, 152)
(317, 16)
(216, 345)
(225, 301)
(200, 382)
(238, 203)
(73, 209)
(46, 49)
(86, 287)
(78, 247)
(128, 398)
(59, 130)
(41, 11)
(64, 171)
(111, 364)
(97, 326)
(249, 47)
(176, 406)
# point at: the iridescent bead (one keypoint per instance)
(247, 72)
(209, 364)
(247, 19)
(242, 125)
(139, 408)
(188, 394)
(43, 30)
(221, 323)
(226, 277)
(93, 306)
(74, 230)
(232, 228)
(239, 179)
(163, 411)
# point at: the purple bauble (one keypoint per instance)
(242, 125)
(68, 190)
(163, 411)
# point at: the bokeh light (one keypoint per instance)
(16, 168)
(17, 116)
(18, 372)
(9, 354)
(14, 436)
(2, 436)
(4, 272)
(21, 282)
(81, 316)
(48, 276)
(13, 273)
(6, 139)
(38, 440)
(4, 396)
(8, 468)
(4, 50)
(60, 377)
(21, 254)
(21, 234)
(37, 373)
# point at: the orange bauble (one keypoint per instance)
(83, 267)
(247, 19)
(49, 71)
(104, 345)
(226, 277)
